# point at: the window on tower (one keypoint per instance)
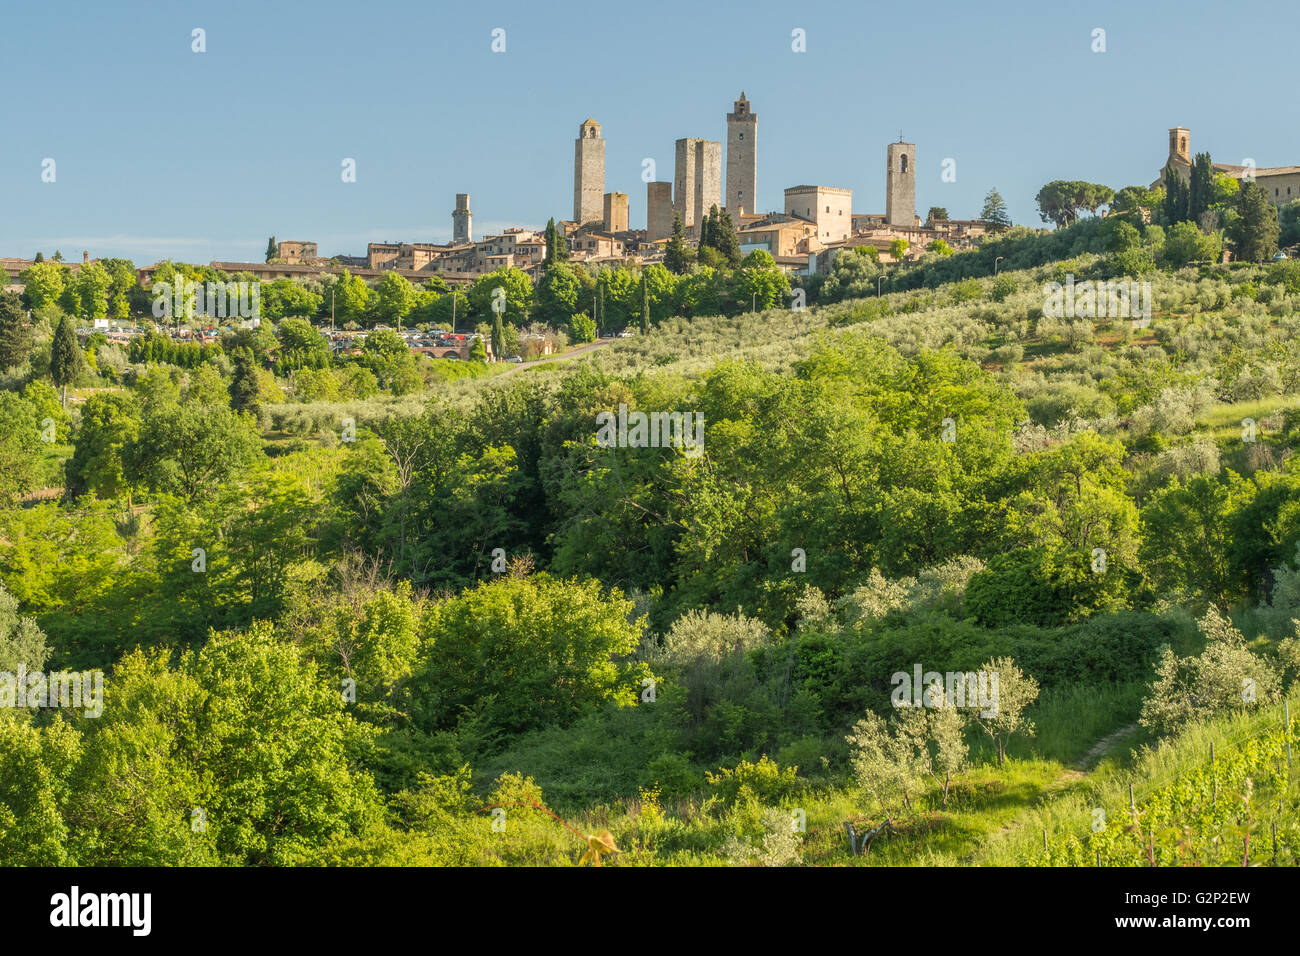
(902, 163)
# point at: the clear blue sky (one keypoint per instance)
(162, 152)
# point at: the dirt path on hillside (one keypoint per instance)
(1103, 746)
(1069, 776)
(572, 353)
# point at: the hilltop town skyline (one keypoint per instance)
(421, 130)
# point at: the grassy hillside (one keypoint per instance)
(547, 638)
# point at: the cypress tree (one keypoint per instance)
(498, 337)
(677, 256)
(243, 383)
(645, 306)
(1201, 188)
(1254, 235)
(549, 238)
(272, 250)
(15, 339)
(725, 239)
(557, 248)
(1175, 196)
(65, 357)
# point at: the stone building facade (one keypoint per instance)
(784, 236)
(615, 219)
(829, 208)
(588, 173)
(295, 252)
(742, 159)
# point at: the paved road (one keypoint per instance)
(572, 353)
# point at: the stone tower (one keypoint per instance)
(658, 210)
(1180, 144)
(900, 185)
(461, 220)
(616, 212)
(588, 173)
(697, 184)
(742, 159)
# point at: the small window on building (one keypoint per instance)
(902, 163)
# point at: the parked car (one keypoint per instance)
(1278, 257)
(514, 358)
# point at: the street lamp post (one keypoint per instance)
(879, 279)
(995, 264)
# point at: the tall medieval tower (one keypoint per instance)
(588, 174)
(697, 181)
(1180, 145)
(742, 159)
(900, 185)
(658, 210)
(461, 218)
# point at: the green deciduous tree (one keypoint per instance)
(394, 299)
(351, 298)
(302, 345)
(190, 449)
(245, 732)
(522, 653)
(557, 294)
(759, 284)
(517, 289)
(110, 421)
(87, 292)
(43, 284)
(284, 297)
(40, 765)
